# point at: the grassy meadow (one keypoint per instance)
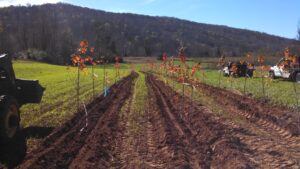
(59, 100)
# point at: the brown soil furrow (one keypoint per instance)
(98, 150)
(272, 115)
(120, 141)
(81, 115)
(128, 147)
(201, 136)
(199, 152)
(118, 150)
(282, 137)
(170, 145)
(257, 111)
(269, 150)
(153, 158)
(59, 149)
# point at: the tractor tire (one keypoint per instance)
(271, 75)
(9, 118)
(297, 77)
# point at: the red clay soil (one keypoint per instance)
(204, 141)
(283, 119)
(65, 145)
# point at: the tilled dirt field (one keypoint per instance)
(171, 132)
(271, 132)
(282, 119)
(70, 144)
(195, 137)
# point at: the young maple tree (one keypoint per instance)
(79, 59)
(261, 61)
(182, 72)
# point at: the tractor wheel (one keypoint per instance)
(297, 77)
(9, 118)
(271, 75)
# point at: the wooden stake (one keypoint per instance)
(78, 88)
(183, 96)
(245, 82)
(262, 82)
(93, 77)
(104, 78)
(192, 97)
(220, 78)
(296, 95)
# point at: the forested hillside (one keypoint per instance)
(51, 33)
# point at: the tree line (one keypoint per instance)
(51, 33)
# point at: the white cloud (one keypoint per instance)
(25, 2)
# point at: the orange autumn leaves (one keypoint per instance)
(195, 68)
(184, 71)
(83, 55)
(261, 61)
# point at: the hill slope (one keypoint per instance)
(55, 30)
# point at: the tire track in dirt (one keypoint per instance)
(60, 148)
(269, 148)
(153, 158)
(170, 142)
(122, 145)
(128, 150)
(282, 119)
(138, 147)
(268, 151)
(182, 132)
(98, 150)
(201, 134)
(143, 143)
(286, 145)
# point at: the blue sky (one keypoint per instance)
(277, 17)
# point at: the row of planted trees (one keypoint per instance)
(84, 59)
(191, 75)
(180, 71)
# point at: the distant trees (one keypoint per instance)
(1, 27)
(1, 37)
(50, 33)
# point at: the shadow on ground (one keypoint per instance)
(13, 152)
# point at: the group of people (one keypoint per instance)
(289, 61)
(243, 68)
(236, 69)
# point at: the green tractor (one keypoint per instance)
(13, 94)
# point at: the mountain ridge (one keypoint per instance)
(56, 29)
